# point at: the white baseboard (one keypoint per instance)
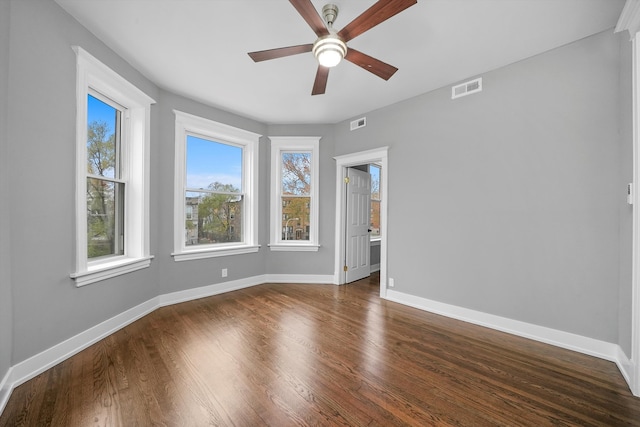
(5, 390)
(374, 267)
(35, 365)
(210, 290)
(626, 367)
(297, 278)
(567, 340)
(39, 363)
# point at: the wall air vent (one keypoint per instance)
(467, 88)
(359, 123)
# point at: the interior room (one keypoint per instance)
(500, 135)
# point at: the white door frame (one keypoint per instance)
(630, 21)
(635, 275)
(380, 156)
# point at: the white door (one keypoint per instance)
(358, 216)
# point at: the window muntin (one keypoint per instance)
(294, 193)
(376, 200)
(216, 181)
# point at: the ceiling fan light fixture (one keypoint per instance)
(329, 50)
(331, 46)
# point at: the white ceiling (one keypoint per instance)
(198, 48)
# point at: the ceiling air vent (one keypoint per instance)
(359, 123)
(466, 88)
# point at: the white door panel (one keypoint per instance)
(358, 215)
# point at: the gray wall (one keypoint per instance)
(515, 193)
(6, 316)
(47, 307)
(507, 201)
(374, 254)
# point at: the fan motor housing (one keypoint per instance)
(331, 46)
(330, 14)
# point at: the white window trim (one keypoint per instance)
(219, 132)
(281, 144)
(94, 75)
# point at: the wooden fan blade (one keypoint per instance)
(306, 9)
(376, 14)
(280, 52)
(320, 84)
(372, 65)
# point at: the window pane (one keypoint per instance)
(375, 170)
(296, 218)
(375, 181)
(102, 125)
(375, 218)
(213, 165)
(296, 174)
(213, 218)
(105, 218)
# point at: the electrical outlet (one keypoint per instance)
(392, 283)
(224, 272)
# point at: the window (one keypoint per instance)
(105, 186)
(215, 205)
(112, 168)
(294, 193)
(376, 199)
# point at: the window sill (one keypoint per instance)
(107, 270)
(210, 253)
(281, 247)
(376, 241)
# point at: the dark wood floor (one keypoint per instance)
(284, 355)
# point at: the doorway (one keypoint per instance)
(358, 224)
(378, 156)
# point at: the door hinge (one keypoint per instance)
(347, 180)
(345, 268)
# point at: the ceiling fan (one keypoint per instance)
(331, 46)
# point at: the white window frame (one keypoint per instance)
(92, 75)
(188, 124)
(279, 145)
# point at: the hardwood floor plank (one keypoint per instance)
(286, 354)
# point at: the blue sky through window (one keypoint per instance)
(100, 112)
(101, 154)
(209, 161)
(374, 170)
